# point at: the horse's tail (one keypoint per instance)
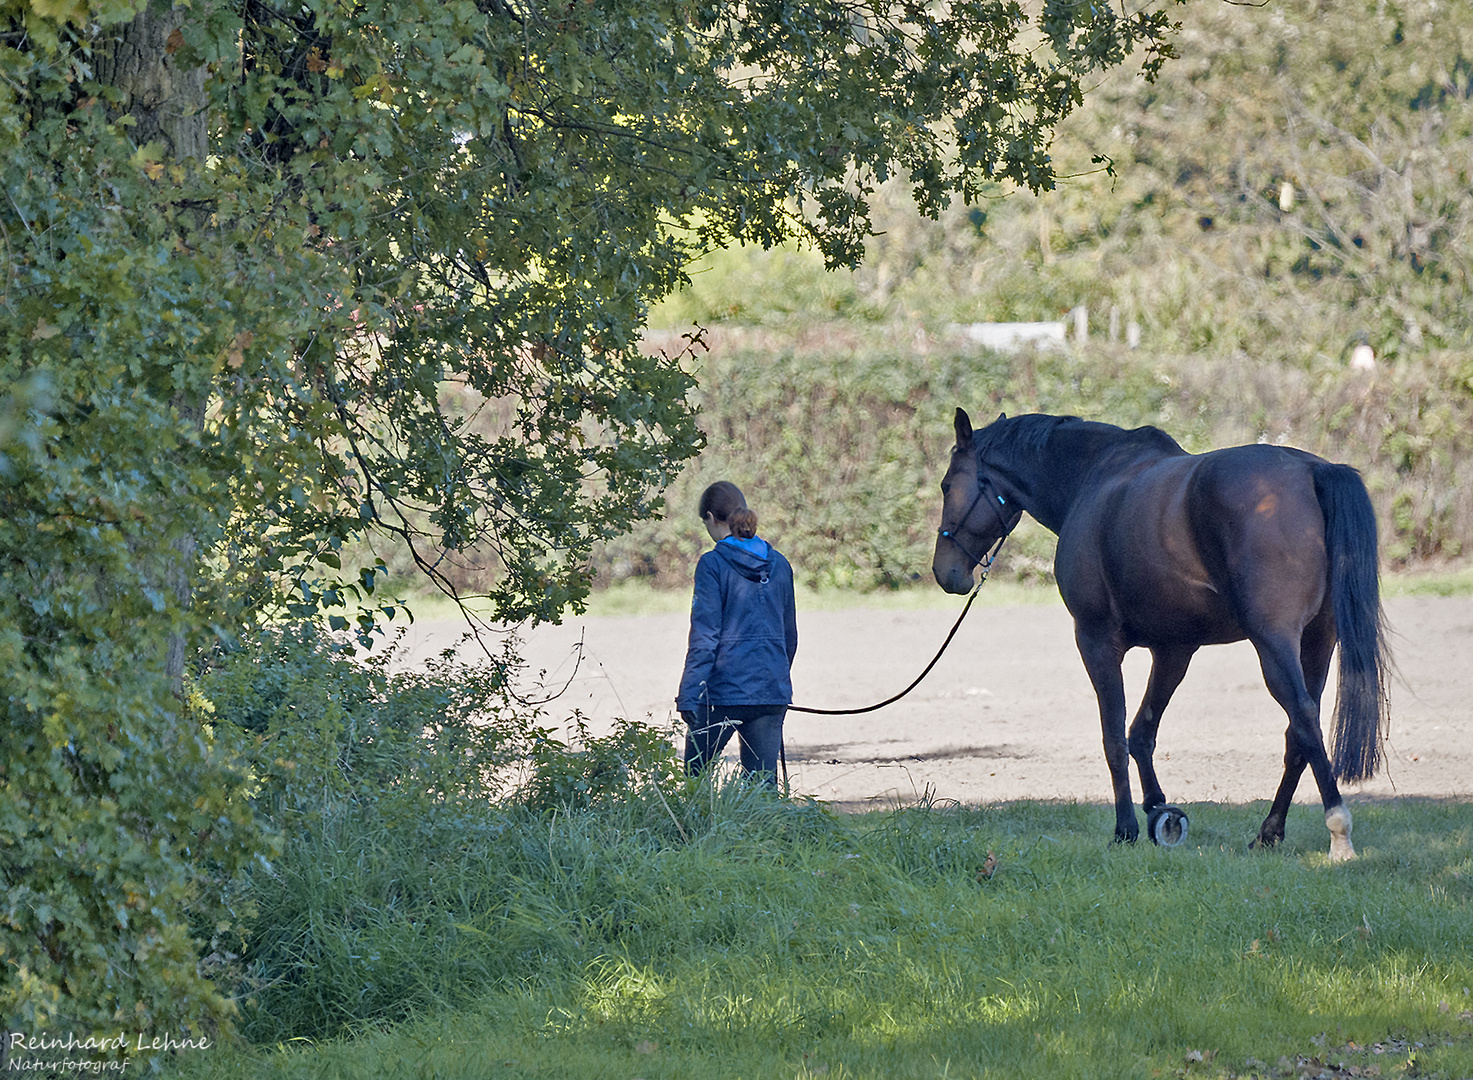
(1361, 715)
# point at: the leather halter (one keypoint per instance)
(984, 561)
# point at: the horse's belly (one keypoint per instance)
(1178, 616)
(1151, 608)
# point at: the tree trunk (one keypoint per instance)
(167, 101)
(170, 108)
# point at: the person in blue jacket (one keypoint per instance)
(743, 636)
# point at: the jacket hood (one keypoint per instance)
(745, 561)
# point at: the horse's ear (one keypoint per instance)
(963, 428)
(1001, 416)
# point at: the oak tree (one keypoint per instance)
(276, 276)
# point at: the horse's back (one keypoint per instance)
(1202, 548)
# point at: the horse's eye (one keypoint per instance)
(945, 488)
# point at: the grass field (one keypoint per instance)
(724, 933)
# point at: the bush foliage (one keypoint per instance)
(839, 434)
(1296, 185)
(391, 790)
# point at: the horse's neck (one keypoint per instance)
(1061, 469)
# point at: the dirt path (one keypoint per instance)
(1008, 712)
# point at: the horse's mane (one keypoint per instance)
(1021, 437)
(1027, 434)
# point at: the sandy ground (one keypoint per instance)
(1008, 712)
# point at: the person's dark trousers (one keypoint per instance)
(759, 731)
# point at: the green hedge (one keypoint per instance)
(838, 434)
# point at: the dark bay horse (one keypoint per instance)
(1171, 551)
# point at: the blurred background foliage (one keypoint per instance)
(1297, 185)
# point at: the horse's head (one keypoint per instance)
(977, 511)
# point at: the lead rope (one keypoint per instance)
(986, 567)
(782, 747)
(896, 697)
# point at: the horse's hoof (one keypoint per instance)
(1167, 826)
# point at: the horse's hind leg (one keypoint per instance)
(1296, 678)
(1315, 648)
(1314, 654)
(1168, 668)
(1272, 829)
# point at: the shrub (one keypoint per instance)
(838, 436)
(411, 805)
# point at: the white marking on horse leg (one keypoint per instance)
(1337, 820)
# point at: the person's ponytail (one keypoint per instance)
(742, 523)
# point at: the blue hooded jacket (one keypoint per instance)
(743, 628)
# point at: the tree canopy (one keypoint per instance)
(276, 276)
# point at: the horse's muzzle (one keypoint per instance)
(953, 579)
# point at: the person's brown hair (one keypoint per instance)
(724, 501)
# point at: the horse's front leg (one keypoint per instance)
(1102, 656)
(1168, 668)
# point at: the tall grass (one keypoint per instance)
(723, 932)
